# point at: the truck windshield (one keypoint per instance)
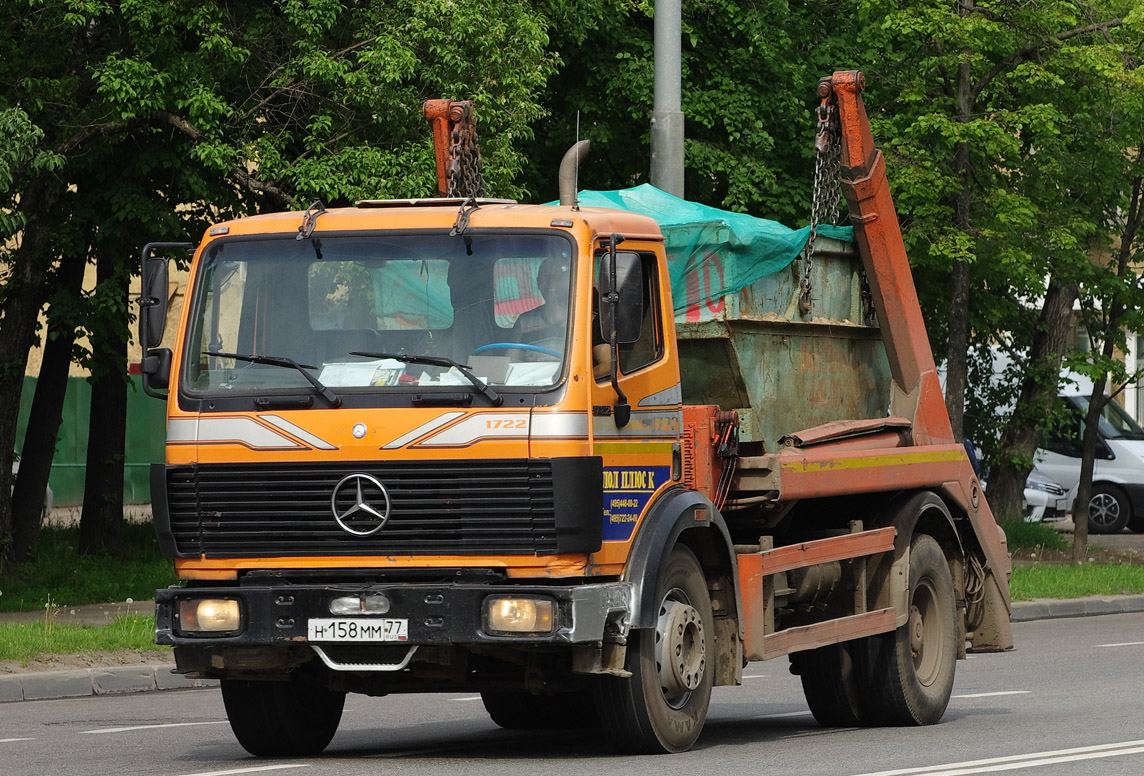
(338, 305)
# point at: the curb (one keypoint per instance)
(1052, 608)
(118, 680)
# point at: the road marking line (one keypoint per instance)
(1013, 762)
(148, 727)
(755, 676)
(1123, 644)
(258, 769)
(784, 714)
(10, 740)
(992, 694)
(467, 698)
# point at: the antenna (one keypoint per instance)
(576, 174)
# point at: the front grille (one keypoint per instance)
(439, 508)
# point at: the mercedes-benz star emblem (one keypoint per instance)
(360, 504)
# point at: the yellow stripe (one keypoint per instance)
(875, 461)
(632, 448)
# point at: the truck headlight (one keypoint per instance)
(506, 615)
(209, 615)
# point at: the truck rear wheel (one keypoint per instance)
(913, 667)
(662, 706)
(522, 711)
(830, 684)
(282, 719)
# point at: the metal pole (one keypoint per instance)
(667, 115)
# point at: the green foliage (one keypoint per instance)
(24, 643)
(1005, 129)
(750, 71)
(56, 574)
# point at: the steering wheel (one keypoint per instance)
(518, 346)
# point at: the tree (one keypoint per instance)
(210, 110)
(992, 108)
(750, 74)
(1114, 302)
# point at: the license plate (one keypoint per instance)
(357, 629)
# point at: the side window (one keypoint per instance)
(649, 347)
(412, 294)
(516, 289)
(1066, 440)
(341, 297)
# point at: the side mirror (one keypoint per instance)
(153, 303)
(156, 369)
(625, 280)
(154, 282)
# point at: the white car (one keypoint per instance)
(49, 498)
(1045, 499)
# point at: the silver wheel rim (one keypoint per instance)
(1103, 510)
(680, 648)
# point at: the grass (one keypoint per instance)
(59, 575)
(1032, 536)
(1061, 578)
(1069, 581)
(23, 643)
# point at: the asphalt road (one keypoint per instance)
(1069, 700)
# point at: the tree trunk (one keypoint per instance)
(24, 292)
(1096, 401)
(101, 521)
(46, 412)
(956, 359)
(1021, 437)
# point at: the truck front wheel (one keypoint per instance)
(662, 706)
(282, 719)
(912, 667)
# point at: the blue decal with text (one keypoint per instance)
(626, 493)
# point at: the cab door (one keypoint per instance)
(637, 455)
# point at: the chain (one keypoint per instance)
(827, 193)
(464, 172)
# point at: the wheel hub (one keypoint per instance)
(681, 649)
(917, 631)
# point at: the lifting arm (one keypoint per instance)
(916, 393)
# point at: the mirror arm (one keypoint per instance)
(622, 410)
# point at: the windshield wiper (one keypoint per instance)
(288, 363)
(443, 361)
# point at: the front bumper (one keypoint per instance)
(437, 614)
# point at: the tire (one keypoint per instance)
(282, 719)
(1109, 510)
(662, 706)
(830, 684)
(522, 711)
(911, 669)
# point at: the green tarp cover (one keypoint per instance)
(712, 252)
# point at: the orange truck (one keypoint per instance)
(467, 445)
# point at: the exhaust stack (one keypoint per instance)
(568, 168)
